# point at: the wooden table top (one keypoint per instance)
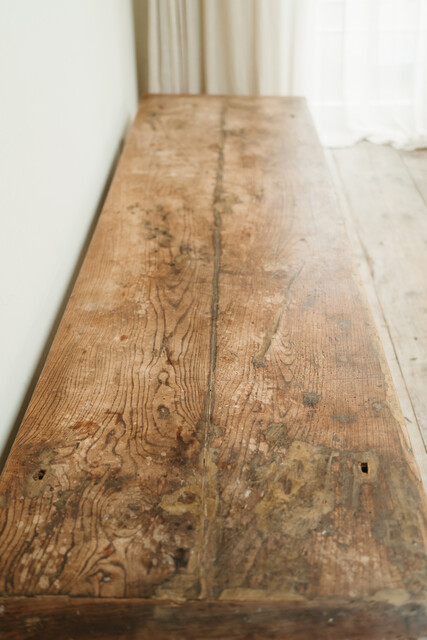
(215, 448)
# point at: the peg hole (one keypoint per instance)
(39, 475)
(364, 467)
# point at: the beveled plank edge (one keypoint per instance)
(83, 618)
(408, 440)
(361, 267)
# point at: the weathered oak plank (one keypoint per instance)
(216, 421)
(112, 426)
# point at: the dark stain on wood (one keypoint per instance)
(310, 398)
(344, 418)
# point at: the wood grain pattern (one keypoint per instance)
(381, 314)
(145, 619)
(388, 203)
(215, 424)
(416, 162)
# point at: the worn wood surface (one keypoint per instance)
(383, 313)
(215, 424)
(416, 164)
(385, 190)
(147, 619)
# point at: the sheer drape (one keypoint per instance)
(361, 63)
(224, 46)
(369, 71)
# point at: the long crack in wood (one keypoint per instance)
(209, 497)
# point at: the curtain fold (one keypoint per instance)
(246, 47)
(362, 64)
(174, 61)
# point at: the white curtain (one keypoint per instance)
(249, 47)
(369, 71)
(362, 64)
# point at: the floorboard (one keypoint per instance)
(416, 164)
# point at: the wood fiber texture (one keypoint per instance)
(215, 432)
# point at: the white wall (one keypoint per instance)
(67, 96)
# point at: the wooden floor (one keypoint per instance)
(383, 197)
